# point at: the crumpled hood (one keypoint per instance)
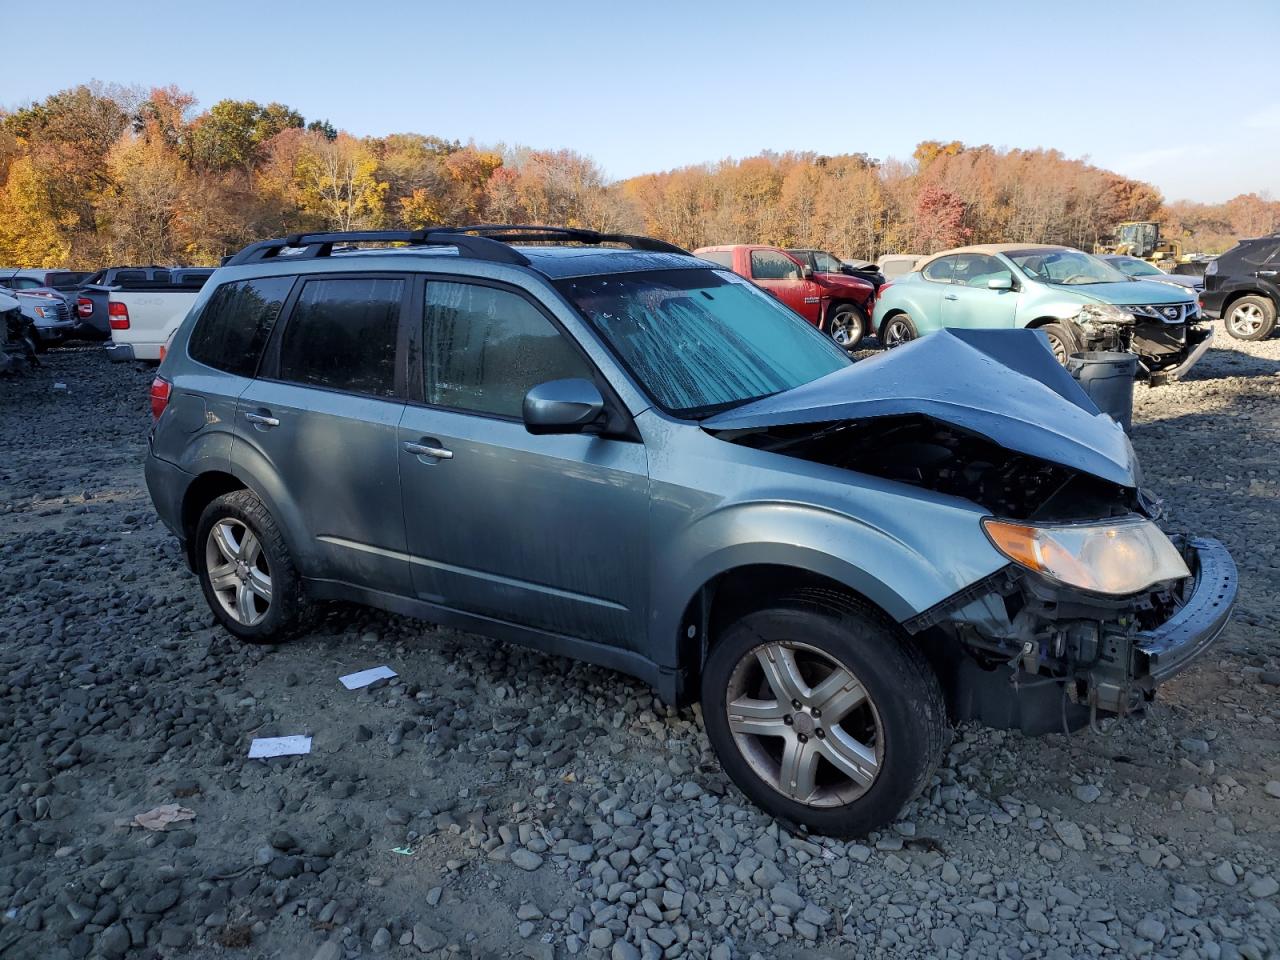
(1003, 385)
(1130, 292)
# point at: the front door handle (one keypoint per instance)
(1266, 273)
(262, 419)
(951, 296)
(427, 449)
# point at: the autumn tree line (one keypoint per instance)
(100, 174)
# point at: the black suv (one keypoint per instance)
(1243, 288)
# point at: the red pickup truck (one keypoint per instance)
(837, 304)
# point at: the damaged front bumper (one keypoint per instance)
(1197, 342)
(1027, 654)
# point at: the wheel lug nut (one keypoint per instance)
(787, 719)
(817, 714)
(795, 704)
(820, 733)
(802, 738)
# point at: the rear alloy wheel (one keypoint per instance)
(245, 570)
(1251, 318)
(238, 571)
(897, 330)
(846, 325)
(822, 714)
(1061, 341)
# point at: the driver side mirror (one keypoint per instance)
(1000, 283)
(563, 406)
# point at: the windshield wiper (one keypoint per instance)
(711, 409)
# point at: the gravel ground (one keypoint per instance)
(494, 802)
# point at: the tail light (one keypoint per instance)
(160, 388)
(118, 316)
(84, 307)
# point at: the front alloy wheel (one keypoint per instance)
(1251, 318)
(238, 572)
(847, 325)
(805, 724)
(823, 712)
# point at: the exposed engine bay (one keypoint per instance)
(1018, 649)
(926, 453)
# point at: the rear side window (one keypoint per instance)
(771, 265)
(485, 348)
(722, 257)
(130, 276)
(236, 322)
(342, 335)
(160, 276)
(941, 270)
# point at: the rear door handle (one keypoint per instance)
(1266, 273)
(428, 448)
(951, 296)
(262, 419)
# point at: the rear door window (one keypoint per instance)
(235, 324)
(484, 348)
(342, 335)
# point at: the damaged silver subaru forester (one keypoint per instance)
(605, 448)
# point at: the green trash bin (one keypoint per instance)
(1107, 377)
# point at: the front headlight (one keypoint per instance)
(1103, 313)
(1115, 557)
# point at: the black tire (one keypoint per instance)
(1062, 341)
(897, 330)
(847, 324)
(912, 727)
(285, 611)
(1250, 318)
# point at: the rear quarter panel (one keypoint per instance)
(920, 298)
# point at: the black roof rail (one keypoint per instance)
(526, 233)
(321, 245)
(484, 241)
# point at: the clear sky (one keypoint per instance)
(1178, 93)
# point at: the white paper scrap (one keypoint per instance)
(354, 681)
(279, 747)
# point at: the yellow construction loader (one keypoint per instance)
(1141, 239)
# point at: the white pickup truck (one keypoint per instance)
(143, 319)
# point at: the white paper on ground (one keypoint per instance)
(279, 746)
(354, 681)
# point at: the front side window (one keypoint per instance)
(700, 341)
(941, 270)
(772, 265)
(485, 348)
(235, 324)
(977, 269)
(342, 335)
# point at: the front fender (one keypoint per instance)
(928, 552)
